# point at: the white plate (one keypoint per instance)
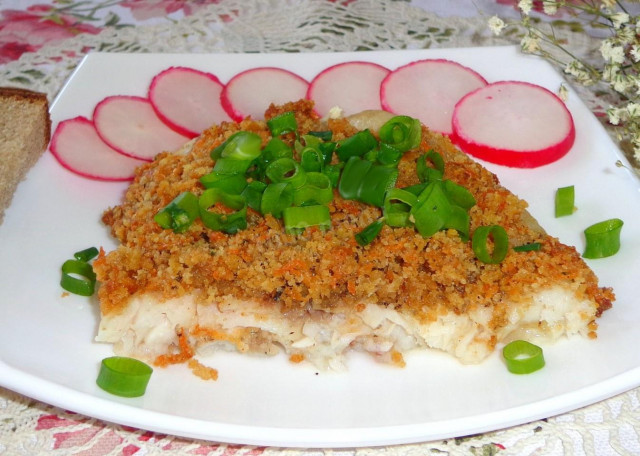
(46, 348)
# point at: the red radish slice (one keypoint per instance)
(429, 90)
(251, 92)
(513, 123)
(187, 100)
(77, 146)
(130, 125)
(353, 86)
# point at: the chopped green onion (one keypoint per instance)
(234, 215)
(356, 145)
(86, 255)
(388, 155)
(531, 247)
(416, 189)
(375, 184)
(125, 377)
(179, 214)
(522, 357)
(316, 190)
(242, 145)
(253, 194)
(458, 195)
(78, 277)
(286, 170)
(297, 218)
(428, 173)
(565, 200)
(480, 240)
(325, 135)
(370, 232)
(603, 239)
(333, 172)
(432, 210)
(311, 159)
(352, 176)
(282, 124)
(459, 220)
(397, 207)
(275, 198)
(402, 132)
(231, 166)
(229, 183)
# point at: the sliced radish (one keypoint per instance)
(130, 125)
(187, 100)
(250, 92)
(513, 123)
(429, 90)
(77, 146)
(353, 86)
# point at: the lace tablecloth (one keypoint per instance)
(42, 42)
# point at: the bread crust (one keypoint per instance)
(25, 131)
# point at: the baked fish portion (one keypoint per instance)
(166, 297)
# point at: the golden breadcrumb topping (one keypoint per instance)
(329, 270)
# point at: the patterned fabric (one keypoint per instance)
(41, 43)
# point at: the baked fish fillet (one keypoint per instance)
(166, 297)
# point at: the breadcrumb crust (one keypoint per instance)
(329, 271)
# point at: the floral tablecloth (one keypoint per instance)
(41, 42)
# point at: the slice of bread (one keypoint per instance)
(25, 129)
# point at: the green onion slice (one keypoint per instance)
(397, 207)
(352, 177)
(253, 194)
(125, 377)
(356, 145)
(603, 239)
(376, 182)
(523, 357)
(370, 232)
(78, 277)
(297, 218)
(402, 132)
(531, 247)
(565, 200)
(86, 255)
(282, 124)
(316, 190)
(432, 210)
(324, 135)
(388, 155)
(459, 195)
(275, 198)
(433, 170)
(286, 170)
(229, 183)
(480, 243)
(311, 159)
(242, 145)
(179, 214)
(459, 220)
(230, 217)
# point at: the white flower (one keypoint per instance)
(496, 25)
(530, 44)
(563, 92)
(611, 52)
(620, 83)
(635, 53)
(614, 115)
(633, 109)
(550, 7)
(525, 6)
(618, 19)
(610, 4)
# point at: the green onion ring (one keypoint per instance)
(84, 285)
(317, 190)
(428, 173)
(500, 243)
(397, 206)
(282, 124)
(522, 357)
(603, 239)
(432, 211)
(356, 145)
(565, 200)
(125, 377)
(228, 223)
(242, 145)
(86, 255)
(286, 170)
(402, 132)
(179, 214)
(275, 198)
(531, 247)
(297, 218)
(369, 232)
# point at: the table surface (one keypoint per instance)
(41, 42)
